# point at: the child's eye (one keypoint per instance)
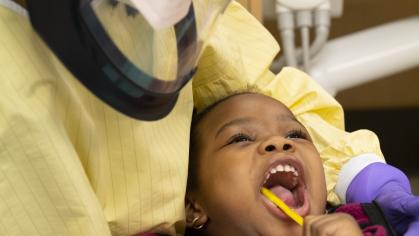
(238, 138)
(297, 134)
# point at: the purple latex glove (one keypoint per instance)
(391, 189)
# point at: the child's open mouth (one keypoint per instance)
(285, 178)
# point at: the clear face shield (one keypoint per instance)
(143, 51)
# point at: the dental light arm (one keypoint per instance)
(367, 55)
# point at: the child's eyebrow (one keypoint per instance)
(238, 121)
(292, 117)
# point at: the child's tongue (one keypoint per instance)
(285, 195)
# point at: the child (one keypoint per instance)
(241, 144)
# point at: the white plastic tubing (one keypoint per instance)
(367, 55)
(303, 14)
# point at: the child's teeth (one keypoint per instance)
(280, 168)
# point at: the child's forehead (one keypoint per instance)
(246, 104)
(251, 101)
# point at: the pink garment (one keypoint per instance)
(356, 211)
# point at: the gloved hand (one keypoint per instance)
(391, 189)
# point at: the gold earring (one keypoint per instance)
(196, 226)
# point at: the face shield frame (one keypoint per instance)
(187, 51)
(106, 76)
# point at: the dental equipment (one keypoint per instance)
(303, 12)
(346, 61)
(367, 55)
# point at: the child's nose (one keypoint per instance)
(277, 144)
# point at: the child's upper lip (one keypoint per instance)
(283, 160)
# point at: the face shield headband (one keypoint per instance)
(78, 37)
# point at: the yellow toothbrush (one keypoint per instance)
(278, 202)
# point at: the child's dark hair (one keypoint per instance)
(194, 146)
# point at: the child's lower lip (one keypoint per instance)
(302, 210)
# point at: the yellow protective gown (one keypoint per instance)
(71, 165)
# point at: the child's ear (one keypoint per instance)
(195, 215)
